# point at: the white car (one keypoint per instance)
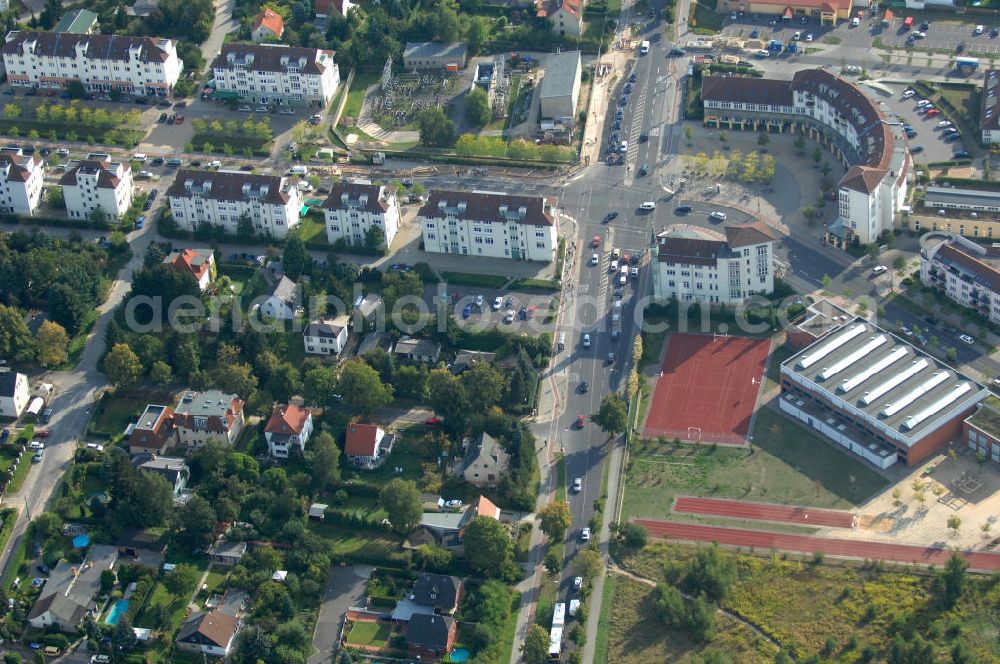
(879, 269)
(585, 535)
(718, 216)
(797, 36)
(97, 447)
(919, 35)
(577, 582)
(855, 22)
(586, 341)
(809, 37)
(497, 303)
(613, 267)
(509, 318)
(979, 30)
(479, 301)
(944, 124)
(578, 485)
(245, 109)
(100, 659)
(36, 445)
(595, 259)
(908, 93)
(648, 205)
(215, 163)
(965, 338)
(453, 503)
(144, 174)
(287, 111)
(262, 109)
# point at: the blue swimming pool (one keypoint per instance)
(116, 612)
(459, 655)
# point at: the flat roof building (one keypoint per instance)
(989, 112)
(435, 55)
(560, 89)
(953, 198)
(876, 395)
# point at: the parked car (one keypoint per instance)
(39, 455)
(42, 433)
(497, 303)
(586, 340)
(717, 216)
(965, 338)
(577, 582)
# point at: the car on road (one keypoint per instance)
(919, 35)
(586, 340)
(717, 216)
(905, 331)
(616, 253)
(97, 447)
(42, 568)
(994, 32)
(39, 455)
(648, 205)
(577, 582)
(140, 222)
(610, 216)
(879, 269)
(643, 138)
(261, 109)
(162, 118)
(613, 267)
(179, 120)
(917, 149)
(596, 242)
(595, 259)
(583, 387)
(943, 124)
(683, 209)
(144, 175)
(933, 112)
(643, 171)
(100, 659)
(952, 138)
(925, 25)
(577, 485)
(962, 154)
(809, 37)
(497, 303)
(855, 22)
(509, 318)
(585, 535)
(966, 339)
(611, 355)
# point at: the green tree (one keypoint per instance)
(953, 578)
(800, 144)
(320, 386)
(536, 645)
(68, 307)
(161, 373)
(362, 389)
(374, 239)
(612, 414)
(11, 658)
(401, 500)
(436, 128)
(448, 398)
(182, 580)
(710, 573)
(296, 260)
(555, 520)
(244, 226)
(123, 640)
(553, 559)
(122, 366)
(433, 558)
(633, 535)
(477, 108)
(484, 386)
(53, 344)
(488, 547)
(763, 139)
(670, 607)
(196, 519)
(701, 619)
(324, 464)
(16, 341)
(688, 134)
(817, 155)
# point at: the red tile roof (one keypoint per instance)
(270, 20)
(485, 507)
(287, 419)
(361, 439)
(189, 260)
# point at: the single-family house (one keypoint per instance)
(437, 591)
(430, 636)
(485, 461)
(68, 595)
(172, 469)
(290, 426)
(268, 26)
(417, 350)
(326, 336)
(154, 432)
(367, 445)
(445, 529)
(199, 263)
(366, 309)
(211, 633)
(326, 8)
(225, 552)
(143, 547)
(14, 393)
(466, 359)
(282, 301)
(209, 415)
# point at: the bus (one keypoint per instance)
(555, 635)
(644, 48)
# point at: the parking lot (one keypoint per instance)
(929, 136)
(945, 36)
(477, 309)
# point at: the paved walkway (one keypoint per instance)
(858, 549)
(741, 509)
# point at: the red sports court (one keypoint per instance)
(707, 389)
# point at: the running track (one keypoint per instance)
(739, 509)
(860, 549)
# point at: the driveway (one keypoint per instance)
(344, 589)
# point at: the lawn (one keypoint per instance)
(788, 465)
(312, 229)
(705, 17)
(561, 479)
(637, 636)
(361, 545)
(20, 475)
(114, 413)
(474, 279)
(778, 355)
(239, 276)
(362, 508)
(369, 634)
(800, 604)
(352, 108)
(173, 608)
(965, 99)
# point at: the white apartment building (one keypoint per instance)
(276, 74)
(693, 267)
(966, 272)
(989, 113)
(353, 209)
(97, 182)
(205, 416)
(131, 65)
(490, 224)
(221, 198)
(20, 182)
(835, 113)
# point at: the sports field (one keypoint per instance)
(707, 389)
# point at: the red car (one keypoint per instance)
(42, 433)
(580, 422)
(179, 119)
(597, 241)
(433, 422)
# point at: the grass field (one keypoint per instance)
(706, 18)
(360, 544)
(799, 604)
(474, 279)
(369, 634)
(312, 229)
(352, 108)
(114, 414)
(966, 99)
(174, 606)
(787, 465)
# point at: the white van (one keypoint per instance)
(644, 48)
(624, 147)
(562, 341)
(140, 157)
(648, 205)
(299, 169)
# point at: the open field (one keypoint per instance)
(800, 604)
(787, 465)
